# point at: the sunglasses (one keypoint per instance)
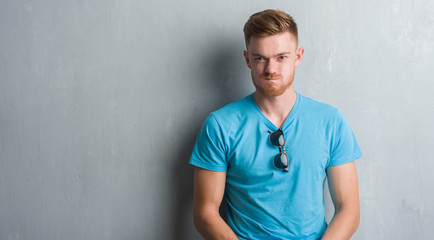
(281, 160)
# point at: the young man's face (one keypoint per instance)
(272, 61)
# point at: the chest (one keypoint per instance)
(251, 154)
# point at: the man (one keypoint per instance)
(270, 152)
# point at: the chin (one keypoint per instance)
(273, 91)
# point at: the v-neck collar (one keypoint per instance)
(288, 119)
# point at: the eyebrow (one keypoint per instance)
(279, 54)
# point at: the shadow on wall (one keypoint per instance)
(221, 71)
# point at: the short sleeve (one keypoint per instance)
(209, 150)
(344, 147)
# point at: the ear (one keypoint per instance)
(246, 57)
(299, 55)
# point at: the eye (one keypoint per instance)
(281, 58)
(259, 59)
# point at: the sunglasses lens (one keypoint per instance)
(281, 161)
(277, 139)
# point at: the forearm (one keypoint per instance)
(343, 225)
(213, 227)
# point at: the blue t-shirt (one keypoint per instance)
(263, 202)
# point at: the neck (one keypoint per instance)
(276, 109)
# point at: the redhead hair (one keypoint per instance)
(268, 23)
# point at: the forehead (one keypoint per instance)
(283, 42)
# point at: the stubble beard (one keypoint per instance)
(271, 89)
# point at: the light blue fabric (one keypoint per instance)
(263, 202)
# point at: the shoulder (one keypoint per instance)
(230, 118)
(315, 108)
(234, 111)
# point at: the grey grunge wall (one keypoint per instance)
(101, 102)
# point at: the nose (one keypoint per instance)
(270, 66)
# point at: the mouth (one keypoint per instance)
(270, 77)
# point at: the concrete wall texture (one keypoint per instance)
(101, 102)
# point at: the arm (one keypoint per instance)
(209, 188)
(344, 191)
